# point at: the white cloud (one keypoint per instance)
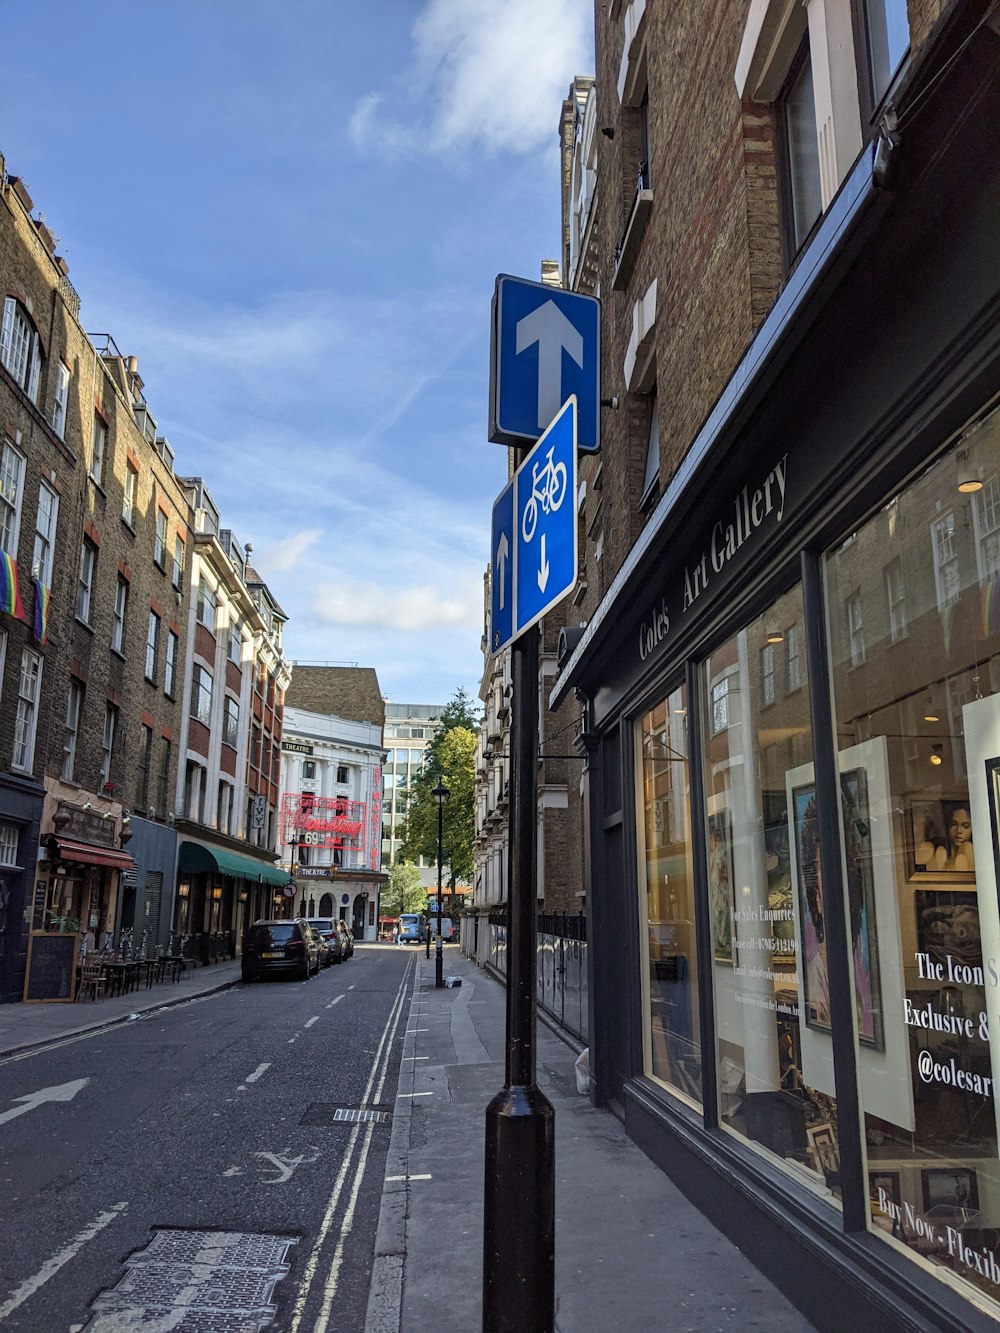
(421, 608)
(490, 73)
(283, 556)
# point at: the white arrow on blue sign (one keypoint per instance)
(546, 346)
(534, 533)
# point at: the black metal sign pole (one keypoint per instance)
(519, 1214)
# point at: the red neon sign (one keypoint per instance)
(323, 821)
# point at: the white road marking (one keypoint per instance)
(383, 1053)
(52, 1265)
(336, 1000)
(350, 988)
(62, 1092)
(416, 1057)
(233, 1171)
(261, 1069)
(414, 1094)
(312, 1021)
(410, 1031)
(285, 1165)
(395, 1178)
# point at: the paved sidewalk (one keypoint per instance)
(632, 1254)
(23, 1026)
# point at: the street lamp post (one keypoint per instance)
(440, 794)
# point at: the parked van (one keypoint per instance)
(412, 928)
(447, 930)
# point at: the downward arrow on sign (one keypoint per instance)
(62, 1092)
(543, 572)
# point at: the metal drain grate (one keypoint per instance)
(326, 1113)
(196, 1282)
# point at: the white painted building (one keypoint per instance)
(330, 820)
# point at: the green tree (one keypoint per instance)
(404, 891)
(451, 758)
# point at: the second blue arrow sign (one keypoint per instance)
(534, 533)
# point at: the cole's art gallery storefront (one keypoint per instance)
(792, 700)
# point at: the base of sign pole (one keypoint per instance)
(438, 964)
(519, 1215)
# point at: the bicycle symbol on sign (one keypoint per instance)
(548, 488)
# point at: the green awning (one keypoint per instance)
(195, 857)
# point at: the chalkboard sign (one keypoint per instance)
(51, 971)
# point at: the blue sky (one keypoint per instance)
(292, 212)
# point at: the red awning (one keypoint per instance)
(92, 854)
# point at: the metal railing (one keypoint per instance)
(561, 979)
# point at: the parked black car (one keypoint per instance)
(330, 935)
(280, 947)
(346, 939)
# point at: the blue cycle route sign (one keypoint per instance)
(546, 346)
(534, 533)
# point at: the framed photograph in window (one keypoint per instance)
(947, 1188)
(812, 918)
(938, 836)
(861, 900)
(721, 899)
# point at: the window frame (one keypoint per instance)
(85, 580)
(74, 714)
(23, 363)
(98, 448)
(26, 715)
(108, 738)
(152, 645)
(170, 664)
(45, 541)
(129, 492)
(202, 694)
(13, 499)
(60, 403)
(119, 615)
(230, 721)
(792, 243)
(160, 538)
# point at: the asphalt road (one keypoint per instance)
(213, 1117)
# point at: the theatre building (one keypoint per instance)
(790, 678)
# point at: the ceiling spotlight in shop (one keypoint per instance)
(775, 636)
(969, 474)
(936, 759)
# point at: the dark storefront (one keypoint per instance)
(792, 694)
(219, 892)
(20, 816)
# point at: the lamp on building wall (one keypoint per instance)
(970, 477)
(440, 794)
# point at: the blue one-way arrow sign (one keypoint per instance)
(534, 533)
(546, 346)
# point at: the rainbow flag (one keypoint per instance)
(10, 593)
(43, 596)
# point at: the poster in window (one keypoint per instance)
(861, 900)
(939, 844)
(720, 884)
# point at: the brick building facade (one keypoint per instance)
(785, 652)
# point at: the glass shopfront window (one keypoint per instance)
(769, 973)
(670, 1012)
(918, 733)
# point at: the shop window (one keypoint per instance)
(919, 744)
(768, 937)
(669, 959)
(8, 845)
(720, 705)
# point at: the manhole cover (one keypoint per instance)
(326, 1113)
(196, 1282)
